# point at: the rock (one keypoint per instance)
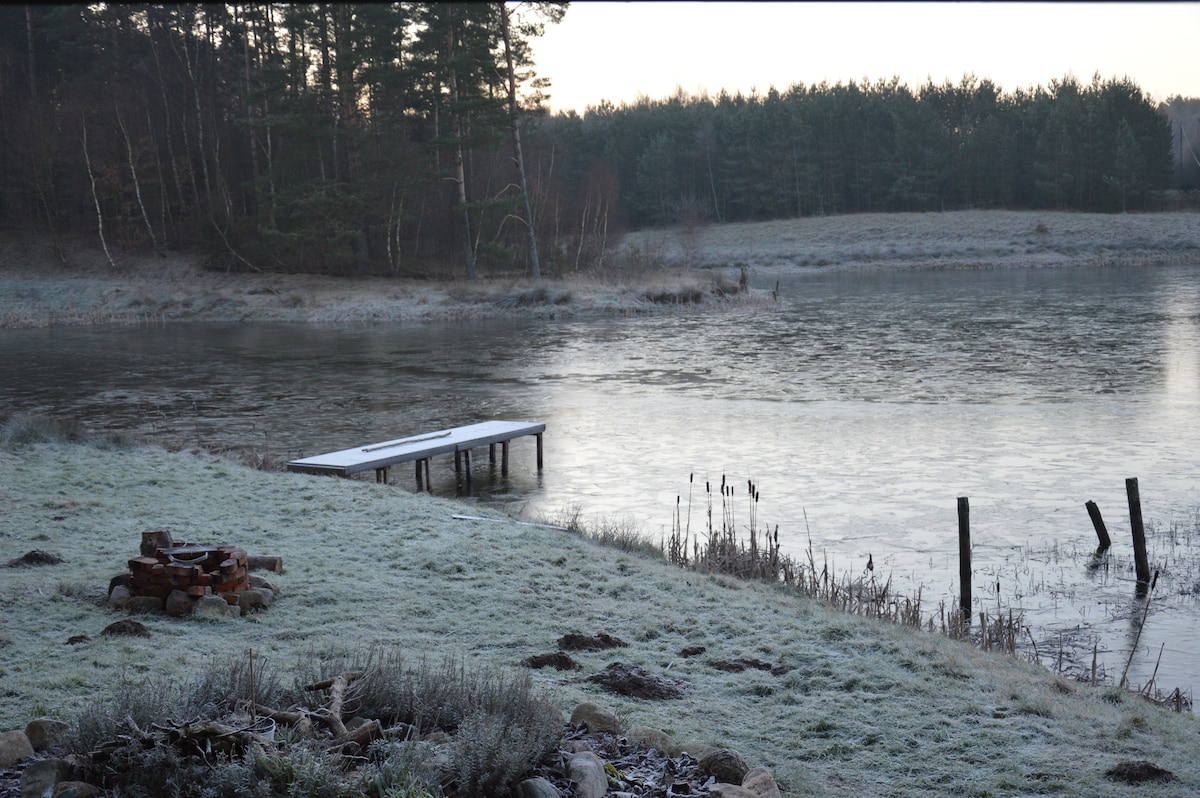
(120, 580)
(637, 682)
(597, 642)
(14, 746)
(598, 719)
(214, 607)
(696, 750)
(75, 640)
(178, 604)
(45, 732)
(657, 739)
(126, 628)
(40, 777)
(264, 563)
(118, 597)
(722, 790)
(537, 788)
(145, 605)
(725, 765)
(155, 539)
(76, 789)
(760, 782)
(258, 581)
(587, 771)
(256, 598)
(692, 651)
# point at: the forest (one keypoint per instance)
(413, 139)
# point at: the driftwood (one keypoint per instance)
(194, 738)
(329, 715)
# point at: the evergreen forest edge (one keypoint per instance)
(411, 139)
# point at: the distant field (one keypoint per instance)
(953, 239)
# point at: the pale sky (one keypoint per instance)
(619, 51)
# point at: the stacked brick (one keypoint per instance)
(195, 570)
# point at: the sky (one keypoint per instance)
(619, 51)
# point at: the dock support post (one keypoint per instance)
(466, 453)
(419, 485)
(1141, 564)
(381, 475)
(539, 451)
(1098, 522)
(492, 453)
(504, 458)
(964, 557)
(457, 461)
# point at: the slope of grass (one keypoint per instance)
(863, 708)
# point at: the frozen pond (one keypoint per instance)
(862, 407)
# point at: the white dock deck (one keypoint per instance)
(419, 448)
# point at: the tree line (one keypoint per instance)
(411, 138)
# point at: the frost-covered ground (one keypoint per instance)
(864, 709)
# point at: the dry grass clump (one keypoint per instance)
(23, 429)
(496, 728)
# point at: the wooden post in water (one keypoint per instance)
(1098, 523)
(1141, 564)
(964, 557)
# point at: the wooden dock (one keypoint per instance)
(419, 449)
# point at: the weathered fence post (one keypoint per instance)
(1141, 564)
(964, 557)
(1098, 523)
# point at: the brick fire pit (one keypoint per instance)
(195, 570)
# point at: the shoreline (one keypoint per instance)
(663, 271)
(851, 707)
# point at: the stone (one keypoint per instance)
(178, 604)
(76, 789)
(258, 581)
(145, 605)
(264, 563)
(155, 539)
(760, 782)
(725, 765)
(657, 739)
(14, 746)
(587, 771)
(45, 732)
(214, 607)
(598, 719)
(256, 598)
(537, 788)
(118, 597)
(722, 790)
(40, 777)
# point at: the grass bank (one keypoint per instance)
(647, 271)
(855, 708)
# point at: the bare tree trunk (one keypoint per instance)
(29, 44)
(95, 196)
(459, 169)
(535, 268)
(137, 186)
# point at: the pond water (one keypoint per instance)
(861, 405)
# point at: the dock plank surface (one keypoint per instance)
(377, 456)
